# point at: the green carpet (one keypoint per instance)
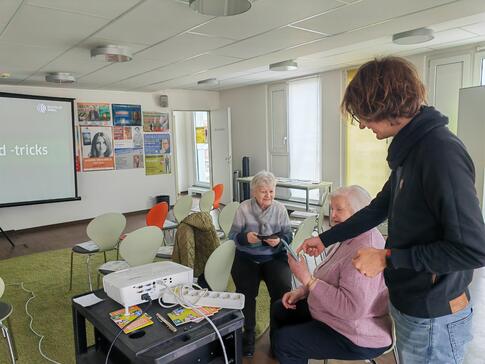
(47, 274)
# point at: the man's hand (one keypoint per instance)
(370, 261)
(290, 299)
(311, 246)
(252, 237)
(272, 242)
(299, 269)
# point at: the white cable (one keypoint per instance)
(191, 305)
(41, 337)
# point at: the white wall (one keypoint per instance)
(249, 125)
(185, 152)
(103, 191)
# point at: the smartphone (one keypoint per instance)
(290, 250)
(265, 237)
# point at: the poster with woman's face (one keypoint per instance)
(97, 148)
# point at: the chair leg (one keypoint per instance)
(12, 339)
(88, 267)
(396, 355)
(70, 278)
(104, 253)
(10, 343)
(325, 361)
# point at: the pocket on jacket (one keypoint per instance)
(460, 334)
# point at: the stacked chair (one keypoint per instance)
(6, 310)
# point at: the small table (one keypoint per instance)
(192, 343)
(293, 183)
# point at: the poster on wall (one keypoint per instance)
(201, 135)
(78, 150)
(93, 113)
(97, 148)
(126, 115)
(128, 137)
(153, 144)
(158, 164)
(128, 158)
(155, 121)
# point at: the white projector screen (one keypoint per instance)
(37, 153)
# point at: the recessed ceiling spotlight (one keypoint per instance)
(60, 77)
(208, 82)
(288, 65)
(414, 36)
(111, 53)
(4, 75)
(220, 7)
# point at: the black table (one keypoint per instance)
(192, 343)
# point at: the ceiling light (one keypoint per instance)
(414, 36)
(288, 65)
(220, 7)
(111, 53)
(208, 82)
(60, 77)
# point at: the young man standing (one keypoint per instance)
(436, 230)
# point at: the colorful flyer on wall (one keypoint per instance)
(126, 115)
(129, 158)
(128, 137)
(153, 143)
(97, 148)
(157, 164)
(155, 122)
(78, 150)
(93, 113)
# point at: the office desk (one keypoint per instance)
(307, 186)
(197, 343)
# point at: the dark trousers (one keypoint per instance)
(247, 275)
(297, 337)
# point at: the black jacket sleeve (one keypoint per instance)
(448, 184)
(363, 220)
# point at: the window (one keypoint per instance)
(304, 132)
(202, 158)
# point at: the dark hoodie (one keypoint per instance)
(436, 229)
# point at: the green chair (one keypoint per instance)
(218, 267)
(104, 232)
(226, 218)
(137, 248)
(182, 208)
(206, 201)
(5, 312)
(305, 231)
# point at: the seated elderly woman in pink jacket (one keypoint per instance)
(337, 313)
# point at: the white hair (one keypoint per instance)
(356, 196)
(263, 178)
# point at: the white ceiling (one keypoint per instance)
(174, 46)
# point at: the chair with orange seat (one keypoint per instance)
(218, 191)
(157, 215)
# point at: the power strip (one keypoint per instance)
(199, 297)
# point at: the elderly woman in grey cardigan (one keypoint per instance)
(259, 226)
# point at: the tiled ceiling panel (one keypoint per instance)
(7, 9)
(182, 46)
(50, 28)
(368, 12)
(175, 70)
(266, 15)
(277, 39)
(153, 21)
(20, 57)
(101, 8)
(477, 28)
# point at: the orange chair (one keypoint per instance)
(157, 215)
(218, 191)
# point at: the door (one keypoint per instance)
(221, 151)
(279, 160)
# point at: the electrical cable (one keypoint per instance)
(144, 297)
(41, 337)
(192, 305)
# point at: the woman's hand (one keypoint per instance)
(252, 237)
(290, 299)
(273, 242)
(311, 246)
(299, 269)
